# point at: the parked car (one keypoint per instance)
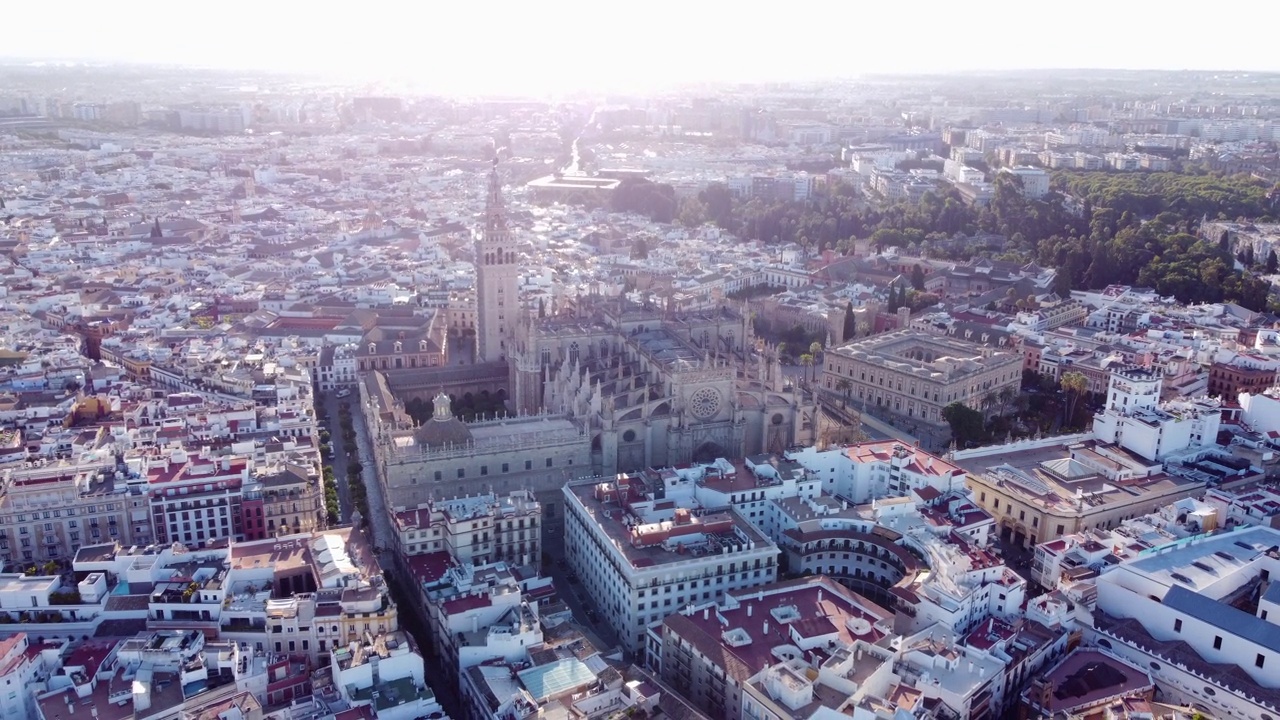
(344, 392)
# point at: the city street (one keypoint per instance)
(379, 524)
(338, 455)
(574, 594)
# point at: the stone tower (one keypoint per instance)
(497, 276)
(524, 368)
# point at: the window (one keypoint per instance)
(1177, 626)
(528, 464)
(462, 472)
(1259, 660)
(548, 462)
(506, 467)
(1217, 642)
(439, 475)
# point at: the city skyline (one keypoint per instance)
(576, 46)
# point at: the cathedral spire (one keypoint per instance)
(495, 217)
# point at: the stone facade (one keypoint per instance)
(916, 375)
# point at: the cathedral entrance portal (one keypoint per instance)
(708, 452)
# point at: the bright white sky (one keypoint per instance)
(472, 46)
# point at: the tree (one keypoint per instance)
(989, 401)
(845, 387)
(640, 249)
(693, 212)
(917, 277)
(806, 361)
(1062, 283)
(1273, 263)
(850, 322)
(966, 423)
(894, 301)
(1008, 396)
(1075, 385)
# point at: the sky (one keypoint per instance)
(558, 46)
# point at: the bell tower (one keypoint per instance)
(497, 278)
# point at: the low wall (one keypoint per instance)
(1054, 441)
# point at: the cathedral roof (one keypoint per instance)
(436, 433)
(443, 428)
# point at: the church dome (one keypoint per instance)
(443, 428)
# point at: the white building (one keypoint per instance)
(386, 672)
(1181, 612)
(1135, 419)
(337, 367)
(860, 473)
(24, 671)
(1035, 181)
(643, 558)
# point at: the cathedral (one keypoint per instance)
(651, 387)
(608, 386)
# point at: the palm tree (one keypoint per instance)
(988, 401)
(846, 387)
(1007, 396)
(806, 360)
(1074, 384)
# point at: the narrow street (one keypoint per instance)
(338, 455)
(575, 595)
(404, 589)
(379, 524)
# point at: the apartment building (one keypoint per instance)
(478, 530)
(24, 665)
(282, 501)
(864, 471)
(710, 651)
(194, 500)
(1242, 374)
(480, 614)
(50, 509)
(306, 593)
(643, 558)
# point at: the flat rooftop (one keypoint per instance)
(929, 357)
(1052, 478)
(767, 618)
(574, 182)
(1205, 562)
(1087, 677)
(609, 505)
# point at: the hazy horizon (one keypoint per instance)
(572, 46)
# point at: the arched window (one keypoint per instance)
(373, 348)
(573, 351)
(398, 346)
